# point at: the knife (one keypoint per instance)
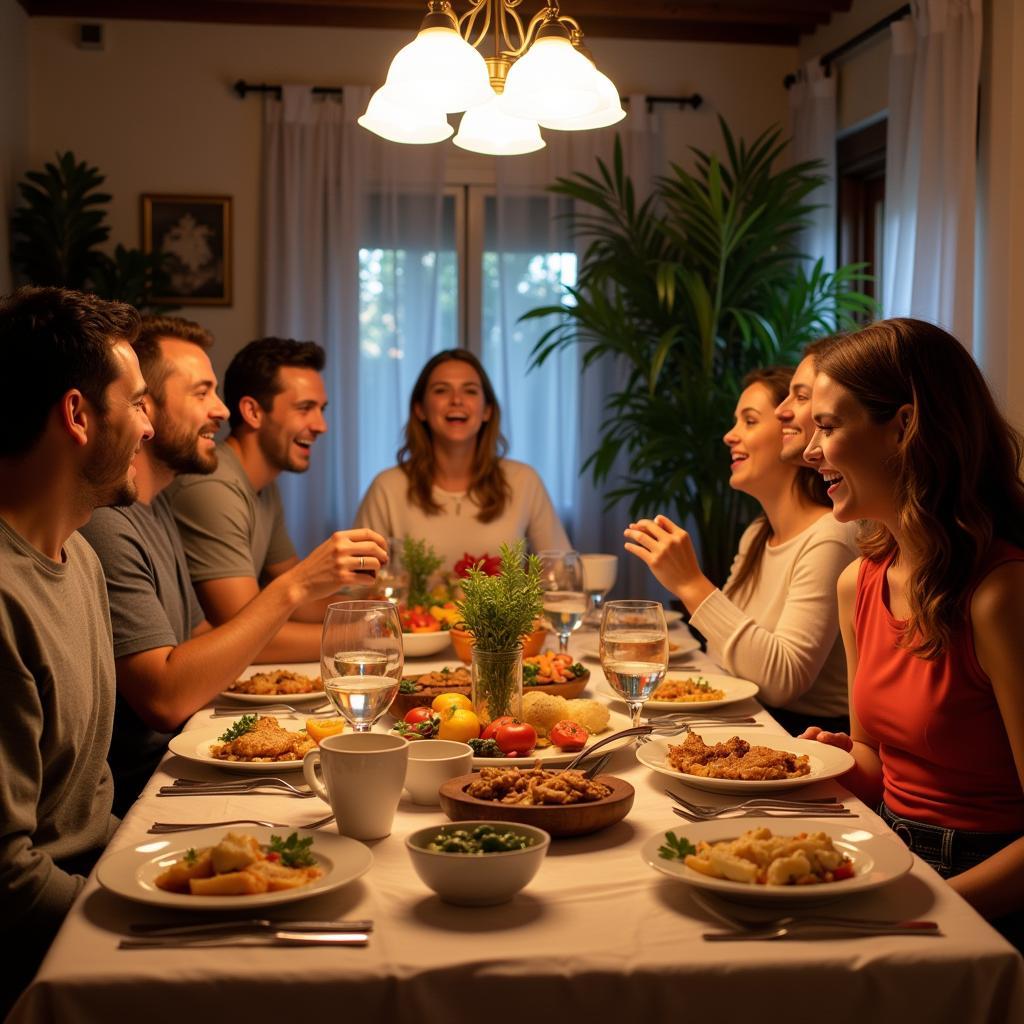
(257, 938)
(254, 924)
(851, 927)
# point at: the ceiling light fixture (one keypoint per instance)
(537, 74)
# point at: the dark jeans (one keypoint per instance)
(952, 851)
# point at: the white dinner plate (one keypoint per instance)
(735, 691)
(681, 643)
(309, 668)
(825, 762)
(130, 872)
(194, 745)
(878, 859)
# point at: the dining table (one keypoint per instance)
(596, 935)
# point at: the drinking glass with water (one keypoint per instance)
(634, 650)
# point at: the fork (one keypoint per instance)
(163, 827)
(764, 801)
(680, 729)
(767, 812)
(235, 711)
(265, 788)
(261, 780)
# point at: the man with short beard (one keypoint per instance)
(71, 423)
(232, 522)
(170, 662)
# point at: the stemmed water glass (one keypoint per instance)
(565, 603)
(599, 572)
(634, 650)
(361, 659)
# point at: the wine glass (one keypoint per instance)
(361, 658)
(565, 604)
(634, 650)
(599, 572)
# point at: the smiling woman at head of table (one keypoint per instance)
(775, 621)
(452, 487)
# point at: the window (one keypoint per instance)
(860, 170)
(463, 272)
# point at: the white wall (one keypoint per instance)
(14, 117)
(155, 112)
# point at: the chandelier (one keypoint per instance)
(538, 75)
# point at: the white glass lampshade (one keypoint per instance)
(440, 70)
(402, 122)
(552, 81)
(610, 111)
(491, 129)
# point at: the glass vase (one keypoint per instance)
(497, 678)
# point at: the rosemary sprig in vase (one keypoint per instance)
(498, 611)
(421, 561)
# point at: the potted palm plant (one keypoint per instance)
(688, 291)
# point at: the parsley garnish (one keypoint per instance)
(486, 748)
(408, 686)
(294, 852)
(191, 856)
(245, 724)
(676, 849)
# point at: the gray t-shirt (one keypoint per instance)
(228, 529)
(152, 604)
(57, 680)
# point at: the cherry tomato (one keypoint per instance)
(516, 738)
(416, 715)
(569, 735)
(494, 725)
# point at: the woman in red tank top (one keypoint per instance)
(909, 439)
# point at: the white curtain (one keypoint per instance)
(931, 159)
(812, 111)
(349, 221)
(554, 414)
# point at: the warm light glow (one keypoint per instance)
(441, 70)
(610, 111)
(552, 81)
(490, 129)
(402, 122)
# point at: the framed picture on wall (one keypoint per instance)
(195, 233)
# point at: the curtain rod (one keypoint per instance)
(242, 88)
(826, 60)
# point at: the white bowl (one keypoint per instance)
(431, 764)
(477, 880)
(423, 645)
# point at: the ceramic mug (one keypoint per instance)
(431, 764)
(364, 773)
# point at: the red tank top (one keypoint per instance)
(946, 758)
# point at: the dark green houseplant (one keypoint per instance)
(687, 291)
(58, 228)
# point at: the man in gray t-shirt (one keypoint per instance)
(69, 430)
(170, 661)
(231, 521)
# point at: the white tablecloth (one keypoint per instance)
(597, 935)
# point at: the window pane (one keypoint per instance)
(527, 261)
(408, 310)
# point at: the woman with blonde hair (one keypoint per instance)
(775, 620)
(908, 436)
(453, 486)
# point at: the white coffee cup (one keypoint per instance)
(431, 764)
(364, 774)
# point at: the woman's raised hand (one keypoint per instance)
(668, 551)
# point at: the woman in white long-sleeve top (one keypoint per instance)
(775, 621)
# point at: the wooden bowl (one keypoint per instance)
(569, 690)
(423, 697)
(556, 819)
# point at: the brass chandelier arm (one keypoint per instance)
(511, 39)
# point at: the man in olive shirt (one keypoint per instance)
(170, 662)
(71, 424)
(231, 521)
